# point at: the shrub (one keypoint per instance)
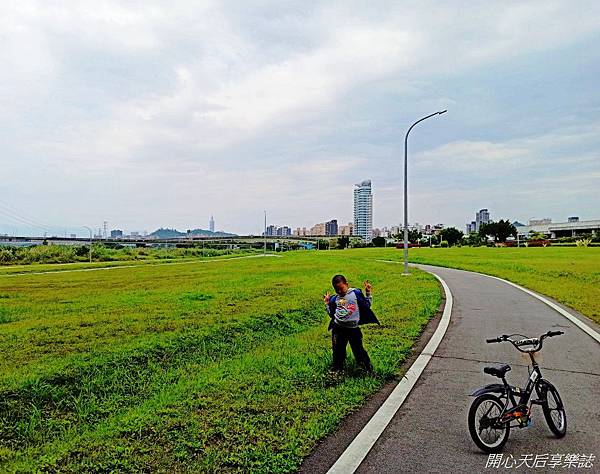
(583, 242)
(444, 243)
(6, 256)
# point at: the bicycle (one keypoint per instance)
(490, 415)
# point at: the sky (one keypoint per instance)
(161, 114)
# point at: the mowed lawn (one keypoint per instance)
(571, 275)
(215, 366)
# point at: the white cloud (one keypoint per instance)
(254, 96)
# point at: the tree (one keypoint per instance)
(533, 235)
(452, 235)
(413, 235)
(378, 242)
(472, 239)
(343, 241)
(500, 230)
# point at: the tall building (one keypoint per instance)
(331, 227)
(271, 231)
(211, 224)
(346, 229)
(116, 234)
(363, 211)
(481, 217)
(284, 231)
(318, 229)
(301, 232)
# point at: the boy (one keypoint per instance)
(348, 309)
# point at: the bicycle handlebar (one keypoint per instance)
(536, 342)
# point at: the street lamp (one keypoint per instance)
(90, 230)
(406, 187)
(265, 249)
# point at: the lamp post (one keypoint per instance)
(90, 230)
(406, 187)
(265, 249)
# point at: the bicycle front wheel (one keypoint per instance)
(488, 433)
(554, 410)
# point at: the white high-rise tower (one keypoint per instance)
(363, 211)
(211, 224)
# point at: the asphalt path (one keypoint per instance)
(429, 432)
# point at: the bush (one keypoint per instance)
(444, 243)
(6, 256)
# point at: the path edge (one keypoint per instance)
(571, 317)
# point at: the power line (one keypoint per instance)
(22, 216)
(21, 220)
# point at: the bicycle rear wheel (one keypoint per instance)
(484, 426)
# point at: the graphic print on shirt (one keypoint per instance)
(344, 308)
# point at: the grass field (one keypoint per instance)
(215, 366)
(570, 275)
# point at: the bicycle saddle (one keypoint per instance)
(497, 371)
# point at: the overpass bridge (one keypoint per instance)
(141, 241)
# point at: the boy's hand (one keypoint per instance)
(326, 297)
(368, 287)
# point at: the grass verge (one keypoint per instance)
(188, 368)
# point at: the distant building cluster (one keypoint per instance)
(481, 217)
(362, 226)
(329, 228)
(572, 228)
(274, 231)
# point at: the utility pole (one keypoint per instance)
(91, 241)
(265, 249)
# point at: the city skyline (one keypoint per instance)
(80, 231)
(120, 114)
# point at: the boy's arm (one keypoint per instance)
(327, 300)
(368, 299)
(369, 295)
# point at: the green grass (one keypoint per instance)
(170, 260)
(205, 366)
(569, 275)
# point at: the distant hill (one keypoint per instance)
(167, 233)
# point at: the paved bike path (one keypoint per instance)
(429, 432)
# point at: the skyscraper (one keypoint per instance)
(211, 224)
(363, 211)
(331, 227)
(481, 217)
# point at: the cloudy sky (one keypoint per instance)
(148, 114)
